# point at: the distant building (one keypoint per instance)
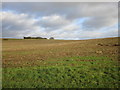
(51, 38)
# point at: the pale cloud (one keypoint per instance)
(53, 22)
(71, 27)
(17, 25)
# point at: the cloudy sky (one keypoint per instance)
(61, 20)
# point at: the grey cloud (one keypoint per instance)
(98, 22)
(70, 9)
(103, 14)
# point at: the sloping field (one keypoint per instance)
(61, 63)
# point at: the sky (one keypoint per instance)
(61, 20)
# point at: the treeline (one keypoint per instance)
(37, 38)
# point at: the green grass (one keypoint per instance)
(91, 74)
(83, 60)
(61, 77)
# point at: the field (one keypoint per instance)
(33, 63)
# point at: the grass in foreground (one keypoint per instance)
(61, 77)
(70, 74)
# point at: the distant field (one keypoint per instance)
(61, 63)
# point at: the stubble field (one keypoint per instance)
(60, 63)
